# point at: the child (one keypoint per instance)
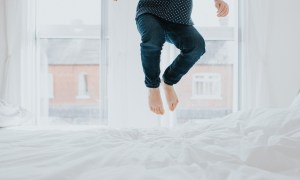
(159, 21)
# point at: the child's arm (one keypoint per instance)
(223, 8)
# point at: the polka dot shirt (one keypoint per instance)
(177, 11)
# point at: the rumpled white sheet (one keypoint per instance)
(250, 145)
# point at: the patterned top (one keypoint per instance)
(177, 11)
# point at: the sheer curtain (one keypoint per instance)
(270, 65)
(127, 105)
(3, 48)
(255, 23)
(11, 16)
(14, 50)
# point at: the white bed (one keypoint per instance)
(249, 145)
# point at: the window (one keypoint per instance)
(207, 86)
(209, 89)
(72, 47)
(69, 46)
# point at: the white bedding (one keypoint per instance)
(252, 145)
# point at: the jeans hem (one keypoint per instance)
(152, 86)
(168, 82)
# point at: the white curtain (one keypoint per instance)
(3, 48)
(127, 106)
(14, 51)
(270, 62)
(17, 38)
(10, 43)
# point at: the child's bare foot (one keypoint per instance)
(155, 102)
(171, 96)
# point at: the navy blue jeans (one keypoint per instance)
(154, 33)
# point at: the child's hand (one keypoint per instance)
(223, 8)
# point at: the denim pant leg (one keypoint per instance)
(153, 38)
(192, 46)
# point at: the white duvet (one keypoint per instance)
(252, 145)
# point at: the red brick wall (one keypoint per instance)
(65, 79)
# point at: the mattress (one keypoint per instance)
(248, 145)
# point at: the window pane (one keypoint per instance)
(69, 43)
(212, 80)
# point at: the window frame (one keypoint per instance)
(39, 103)
(221, 33)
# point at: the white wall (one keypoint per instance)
(284, 54)
(271, 64)
(128, 105)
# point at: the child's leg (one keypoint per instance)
(192, 46)
(153, 38)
